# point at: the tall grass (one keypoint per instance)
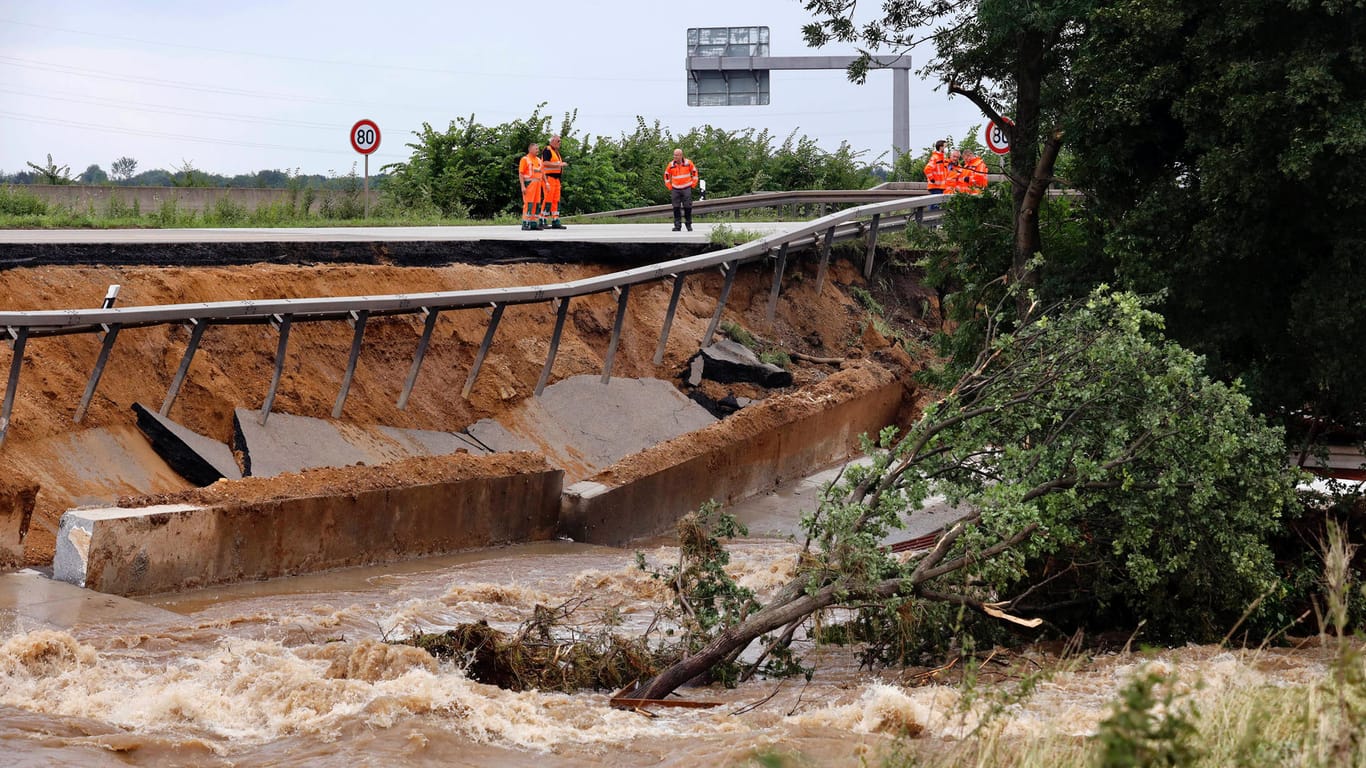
(338, 204)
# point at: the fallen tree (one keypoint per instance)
(1081, 440)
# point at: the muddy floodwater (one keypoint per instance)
(294, 672)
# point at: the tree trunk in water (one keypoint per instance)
(791, 604)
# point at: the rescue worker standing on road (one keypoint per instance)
(680, 177)
(936, 169)
(531, 175)
(553, 164)
(975, 173)
(954, 179)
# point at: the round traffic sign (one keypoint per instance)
(997, 138)
(365, 136)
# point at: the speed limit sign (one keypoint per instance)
(365, 136)
(998, 138)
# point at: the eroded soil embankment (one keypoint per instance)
(233, 366)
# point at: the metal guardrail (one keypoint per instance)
(770, 200)
(864, 221)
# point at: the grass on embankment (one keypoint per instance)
(21, 209)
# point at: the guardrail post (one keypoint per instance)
(560, 315)
(731, 269)
(483, 349)
(19, 340)
(283, 321)
(111, 333)
(197, 328)
(872, 247)
(777, 283)
(616, 334)
(358, 319)
(825, 259)
(668, 319)
(420, 353)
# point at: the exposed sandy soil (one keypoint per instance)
(233, 366)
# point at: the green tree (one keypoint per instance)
(1000, 55)
(52, 173)
(1223, 146)
(93, 174)
(1082, 439)
(186, 175)
(123, 168)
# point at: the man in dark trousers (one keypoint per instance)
(680, 177)
(553, 164)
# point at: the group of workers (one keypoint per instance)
(948, 171)
(955, 172)
(539, 172)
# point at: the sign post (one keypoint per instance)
(365, 139)
(998, 137)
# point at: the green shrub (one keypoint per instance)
(1148, 726)
(226, 211)
(19, 202)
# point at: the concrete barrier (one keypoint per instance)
(180, 546)
(780, 439)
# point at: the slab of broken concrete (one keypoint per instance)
(728, 362)
(199, 459)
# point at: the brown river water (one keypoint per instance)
(294, 672)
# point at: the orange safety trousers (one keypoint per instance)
(552, 196)
(531, 200)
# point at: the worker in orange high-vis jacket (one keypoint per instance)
(955, 179)
(974, 173)
(553, 164)
(531, 175)
(680, 177)
(936, 169)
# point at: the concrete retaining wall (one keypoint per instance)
(175, 547)
(601, 510)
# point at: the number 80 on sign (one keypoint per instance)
(998, 137)
(365, 136)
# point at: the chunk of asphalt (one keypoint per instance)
(728, 362)
(199, 459)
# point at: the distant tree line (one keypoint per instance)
(123, 173)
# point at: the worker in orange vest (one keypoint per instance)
(531, 175)
(553, 164)
(936, 169)
(680, 177)
(955, 180)
(975, 173)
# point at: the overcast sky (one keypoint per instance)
(245, 85)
